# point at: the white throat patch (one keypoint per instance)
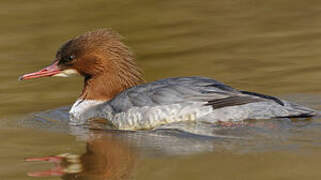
(67, 73)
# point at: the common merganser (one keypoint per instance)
(114, 90)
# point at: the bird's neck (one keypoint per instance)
(106, 86)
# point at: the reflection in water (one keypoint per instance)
(64, 163)
(105, 158)
(112, 154)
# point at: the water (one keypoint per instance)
(270, 47)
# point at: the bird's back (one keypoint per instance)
(193, 99)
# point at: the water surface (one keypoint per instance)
(271, 47)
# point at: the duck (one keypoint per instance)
(114, 90)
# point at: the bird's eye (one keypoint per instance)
(72, 57)
(68, 59)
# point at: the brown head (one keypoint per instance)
(105, 62)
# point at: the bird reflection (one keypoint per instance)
(112, 154)
(105, 158)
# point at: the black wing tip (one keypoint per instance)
(231, 101)
(264, 96)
